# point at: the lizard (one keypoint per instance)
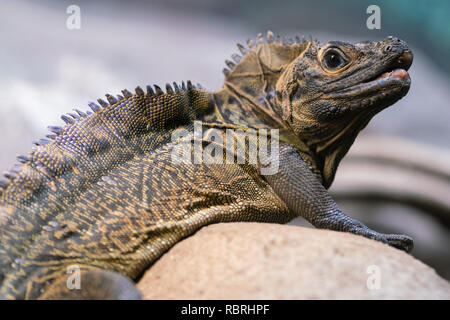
(97, 201)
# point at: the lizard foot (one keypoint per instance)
(398, 241)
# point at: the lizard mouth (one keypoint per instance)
(395, 71)
(389, 83)
(396, 74)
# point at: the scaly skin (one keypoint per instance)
(104, 194)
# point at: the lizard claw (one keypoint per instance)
(400, 241)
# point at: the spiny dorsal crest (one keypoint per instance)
(72, 118)
(273, 51)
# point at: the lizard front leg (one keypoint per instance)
(298, 187)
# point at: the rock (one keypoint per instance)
(270, 261)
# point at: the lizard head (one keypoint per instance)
(329, 93)
(321, 96)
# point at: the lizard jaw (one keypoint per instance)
(389, 79)
(391, 82)
(397, 73)
(396, 70)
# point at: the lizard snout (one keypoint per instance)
(405, 60)
(396, 45)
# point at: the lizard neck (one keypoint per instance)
(246, 110)
(249, 97)
(237, 107)
(250, 82)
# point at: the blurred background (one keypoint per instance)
(395, 179)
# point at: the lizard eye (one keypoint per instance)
(332, 60)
